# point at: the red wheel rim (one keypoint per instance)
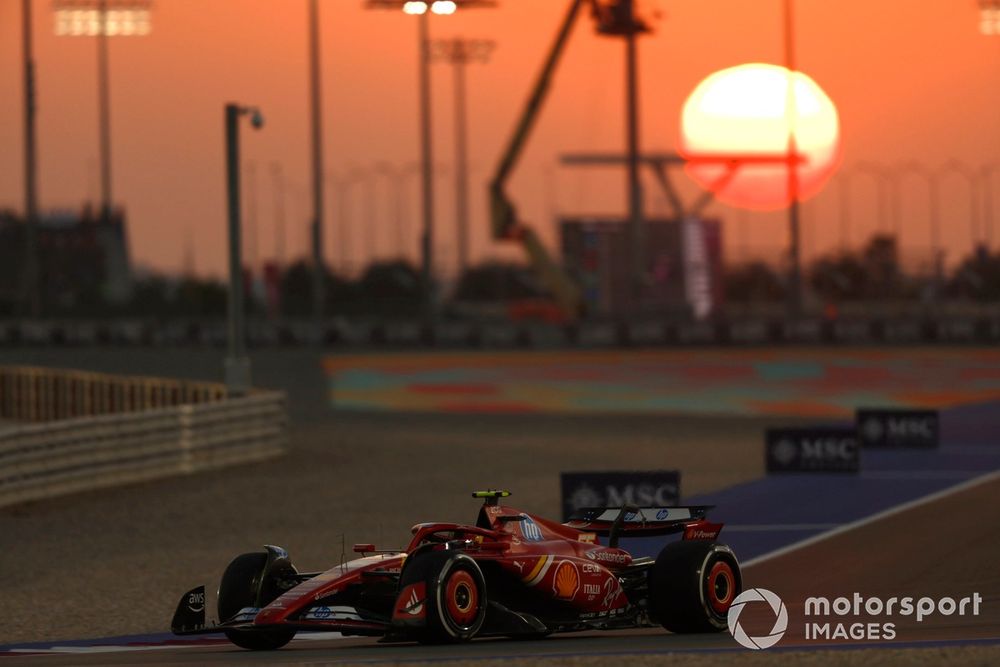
(721, 586)
(462, 598)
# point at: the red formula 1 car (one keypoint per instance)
(511, 574)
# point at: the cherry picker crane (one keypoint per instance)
(506, 224)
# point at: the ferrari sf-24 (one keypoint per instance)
(510, 574)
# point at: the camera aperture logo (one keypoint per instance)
(823, 616)
(780, 618)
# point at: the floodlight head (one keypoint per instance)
(415, 7)
(444, 7)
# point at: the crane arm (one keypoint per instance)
(502, 211)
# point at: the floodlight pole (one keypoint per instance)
(461, 52)
(100, 8)
(989, 24)
(459, 60)
(634, 184)
(794, 241)
(427, 164)
(316, 229)
(422, 9)
(30, 277)
(104, 110)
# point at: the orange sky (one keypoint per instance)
(912, 80)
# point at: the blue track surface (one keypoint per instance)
(767, 514)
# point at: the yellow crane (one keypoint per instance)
(506, 223)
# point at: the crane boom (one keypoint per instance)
(503, 213)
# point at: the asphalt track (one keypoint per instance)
(612, 649)
(935, 531)
(945, 531)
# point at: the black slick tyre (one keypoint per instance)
(456, 596)
(237, 590)
(691, 586)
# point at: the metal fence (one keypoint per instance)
(42, 394)
(869, 322)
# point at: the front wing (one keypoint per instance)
(190, 619)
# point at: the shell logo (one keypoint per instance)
(566, 581)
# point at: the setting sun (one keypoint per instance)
(744, 111)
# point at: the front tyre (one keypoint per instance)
(456, 596)
(239, 587)
(692, 585)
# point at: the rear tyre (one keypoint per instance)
(456, 596)
(238, 589)
(692, 585)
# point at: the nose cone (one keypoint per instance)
(270, 616)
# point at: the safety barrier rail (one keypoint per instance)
(47, 459)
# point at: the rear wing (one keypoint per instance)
(630, 521)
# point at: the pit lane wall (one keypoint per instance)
(124, 430)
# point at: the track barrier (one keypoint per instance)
(75, 431)
(945, 329)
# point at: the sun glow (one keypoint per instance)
(744, 113)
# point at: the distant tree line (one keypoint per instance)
(872, 273)
(385, 289)
(394, 289)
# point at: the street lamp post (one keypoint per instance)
(237, 365)
(253, 231)
(460, 53)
